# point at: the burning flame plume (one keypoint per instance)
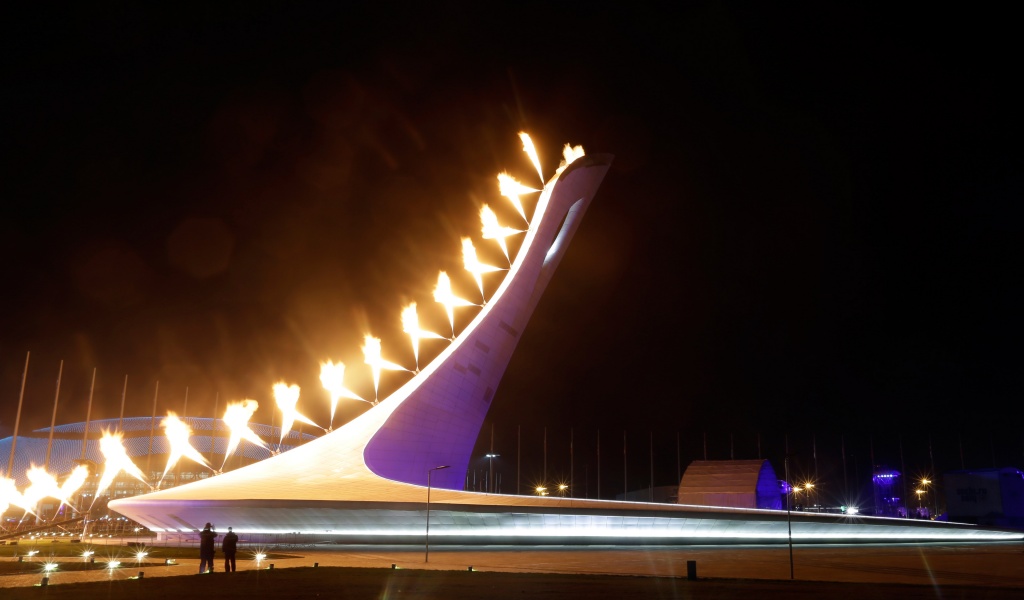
(74, 481)
(41, 485)
(115, 460)
(411, 325)
(178, 433)
(443, 295)
(474, 266)
(371, 356)
(287, 396)
(569, 154)
(512, 189)
(493, 231)
(10, 496)
(236, 417)
(332, 376)
(532, 153)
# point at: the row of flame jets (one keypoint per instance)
(43, 484)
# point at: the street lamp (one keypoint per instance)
(789, 517)
(935, 499)
(490, 471)
(562, 488)
(426, 538)
(810, 499)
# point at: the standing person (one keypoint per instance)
(228, 546)
(206, 549)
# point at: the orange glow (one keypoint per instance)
(512, 189)
(332, 376)
(287, 397)
(115, 460)
(444, 296)
(411, 325)
(531, 151)
(236, 417)
(474, 266)
(493, 231)
(371, 356)
(178, 433)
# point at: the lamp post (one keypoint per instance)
(426, 538)
(789, 517)
(935, 500)
(490, 471)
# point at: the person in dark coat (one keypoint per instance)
(229, 546)
(206, 549)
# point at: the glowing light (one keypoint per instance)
(569, 155)
(474, 266)
(411, 325)
(287, 397)
(113, 564)
(236, 417)
(531, 151)
(115, 460)
(443, 295)
(10, 496)
(49, 567)
(87, 553)
(140, 555)
(332, 376)
(178, 433)
(371, 356)
(512, 189)
(492, 230)
(41, 485)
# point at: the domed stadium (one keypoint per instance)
(59, 451)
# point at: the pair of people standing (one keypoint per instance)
(228, 546)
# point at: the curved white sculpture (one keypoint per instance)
(365, 481)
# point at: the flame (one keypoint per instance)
(512, 189)
(41, 485)
(178, 433)
(287, 396)
(532, 153)
(411, 325)
(371, 356)
(10, 496)
(236, 417)
(332, 376)
(569, 154)
(115, 460)
(443, 295)
(74, 481)
(493, 231)
(474, 266)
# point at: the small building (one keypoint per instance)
(731, 483)
(990, 497)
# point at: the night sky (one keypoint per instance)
(811, 228)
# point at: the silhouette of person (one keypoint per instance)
(228, 546)
(206, 549)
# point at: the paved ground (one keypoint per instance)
(990, 569)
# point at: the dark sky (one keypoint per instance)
(811, 225)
